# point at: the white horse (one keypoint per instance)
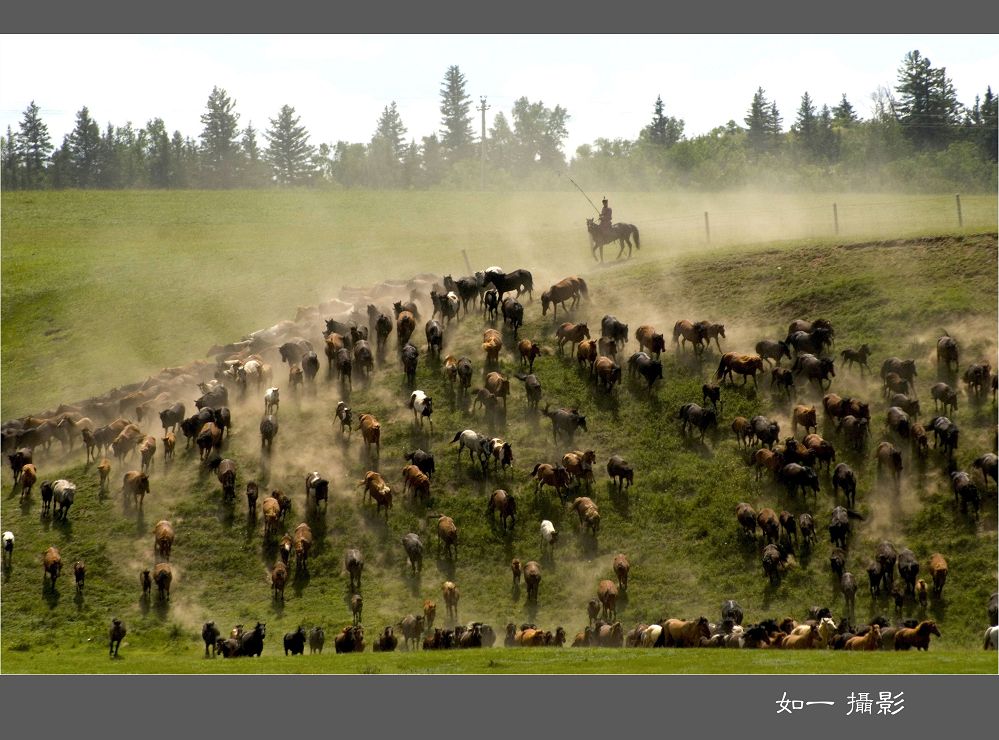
(454, 303)
(8, 547)
(271, 400)
(475, 442)
(991, 636)
(423, 406)
(548, 537)
(252, 370)
(650, 635)
(63, 493)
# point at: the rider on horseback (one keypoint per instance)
(605, 218)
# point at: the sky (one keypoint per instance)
(339, 85)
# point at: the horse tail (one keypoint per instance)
(638, 243)
(583, 289)
(722, 366)
(456, 438)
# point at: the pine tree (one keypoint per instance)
(10, 168)
(84, 151)
(33, 147)
(805, 127)
(843, 114)
(774, 122)
(432, 165)
(502, 143)
(385, 153)
(220, 148)
(257, 171)
(289, 152)
(657, 129)
(758, 121)
(456, 120)
(928, 109)
(826, 137)
(989, 132)
(159, 154)
(664, 131)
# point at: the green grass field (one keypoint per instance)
(155, 279)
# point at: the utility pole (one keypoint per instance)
(482, 170)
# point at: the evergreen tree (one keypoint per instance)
(159, 154)
(391, 130)
(826, 137)
(385, 153)
(759, 123)
(33, 148)
(61, 173)
(220, 149)
(289, 152)
(109, 165)
(843, 114)
(805, 127)
(664, 131)
(84, 151)
(774, 123)
(989, 136)
(456, 119)
(502, 143)
(185, 161)
(927, 103)
(257, 172)
(432, 164)
(10, 173)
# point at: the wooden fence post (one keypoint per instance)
(707, 227)
(960, 218)
(836, 219)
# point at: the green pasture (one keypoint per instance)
(100, 289)
(158, 278)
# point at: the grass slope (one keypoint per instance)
(676, 524)
(100, 289)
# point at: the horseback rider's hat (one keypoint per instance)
(604, 200)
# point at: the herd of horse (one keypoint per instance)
(795, 466)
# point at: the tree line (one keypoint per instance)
(918, 137)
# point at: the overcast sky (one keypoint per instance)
(340, 84)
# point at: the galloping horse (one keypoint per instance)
(619, 232)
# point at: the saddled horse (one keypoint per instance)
(619, 232)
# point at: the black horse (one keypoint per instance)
(519, 280)
(619, 232)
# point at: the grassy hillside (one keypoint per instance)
(676, 524)
(100, 289)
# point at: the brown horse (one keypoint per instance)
(744, 365)
(684, 331)
(572, 333)
(651, 340)
(917, 637)
(711, 331)
(492, 343)
(682, 633)
(870, 641)
(571, 288)
(889, 456)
